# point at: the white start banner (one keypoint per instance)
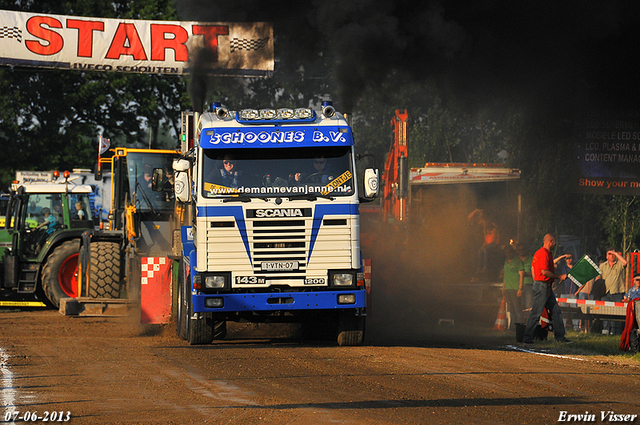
(135, 46)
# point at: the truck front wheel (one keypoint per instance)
(199, 327)
(60, 272)
(350, 329)
(195, 328)
(203, 328)
(181, 308)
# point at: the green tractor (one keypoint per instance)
(40, 240)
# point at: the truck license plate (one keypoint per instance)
(279, 266)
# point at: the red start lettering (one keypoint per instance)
(85, 34)
(211, 34)
(124, 33)
(160, 42)
(51, 43)
(125, 41)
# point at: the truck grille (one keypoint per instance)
(279, 240)
(243, 246)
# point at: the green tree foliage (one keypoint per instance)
(50, 119)
(621, 221)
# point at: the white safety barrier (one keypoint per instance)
(609, 308)
(590, 302)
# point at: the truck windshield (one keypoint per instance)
(289, 172)
(140, 169)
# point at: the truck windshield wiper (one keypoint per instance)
(243, 198)
(310, 197)
(237, 199)
(307, 197)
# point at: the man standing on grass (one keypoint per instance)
(613, 271)
(543, 272)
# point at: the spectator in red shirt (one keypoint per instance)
(544, 274)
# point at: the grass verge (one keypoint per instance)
(604, 347)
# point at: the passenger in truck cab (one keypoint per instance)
(296, 178)
(228, 175)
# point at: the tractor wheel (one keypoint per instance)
(105, 270)
(350, 329)
(60, 273)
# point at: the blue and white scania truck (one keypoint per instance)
(270, 223)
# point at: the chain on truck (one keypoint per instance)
(270, 230)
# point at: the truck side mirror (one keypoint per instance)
(182, 184)
(371, 183)
(182, 187)
(181, 164)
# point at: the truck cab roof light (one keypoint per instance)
(304, 113)
(249, 114)
(270, 115)
(286, 113)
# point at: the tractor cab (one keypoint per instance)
(43, 224)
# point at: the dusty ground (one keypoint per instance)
(114, 371)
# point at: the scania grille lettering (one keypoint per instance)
(279, 212)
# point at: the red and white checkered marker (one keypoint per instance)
(155, 290)
(150, 267)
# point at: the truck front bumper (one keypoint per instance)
(279, 301)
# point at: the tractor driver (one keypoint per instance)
(49, 221)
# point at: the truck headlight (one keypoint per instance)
(343, 279)
(215, 282)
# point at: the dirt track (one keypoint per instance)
(111, 371)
